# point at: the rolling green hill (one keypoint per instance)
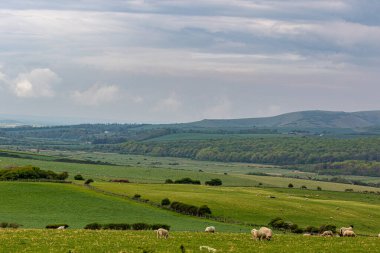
(35, 205)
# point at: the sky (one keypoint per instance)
(179, 61)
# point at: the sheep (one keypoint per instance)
(209, 249)
(349, 233)
(307, 234)
(342, 229)
(210, 229)
(262, 233)
(327, 233)
(161, 232)
(379, 235)
(61, 227)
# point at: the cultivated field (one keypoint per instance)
(145, 241)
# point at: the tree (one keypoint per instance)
(290, 185)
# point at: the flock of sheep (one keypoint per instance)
(265, 233)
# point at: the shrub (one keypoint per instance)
(136, 196)
(169, 181)
(119, 181)
(303, 187)
(93, 226)
(214, 182)
(140, 226)
(30, 172)
(187, 180)
(277, 223)
(157, 226)
(78, 177)
(14, 225)
(117, 226)
(3, 224)
(290, 185)
(165, 202)
(89, 181)
(319, 188)
(327, 227)
(312, 229)
(55, 226)
(204, 210)
(349, 190)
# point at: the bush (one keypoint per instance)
(349, 190)
(290, 185)
(214, 182)
(140, 226)
(119, 181)
(277, 223)
(157, 226)
(204, 210)
(327, 227)
(165, 202)
(319, 188)
(169, 181)
(312, 230)
(89, 181)
(303, 187)
(93, 226)
(78, 177)
(30, 172)
(14, 225)
(187, 180)
(136, 196)
(55, 226)
(3, 224)
(117, 226)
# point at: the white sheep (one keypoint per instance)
(342, 229)
(262, 233)
(349, 233)
(307, 234)
(327, 233)
(161, 232)
(61, 227)
(210, 229)
(379, 235)
(209, 249)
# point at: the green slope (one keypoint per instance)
(254, 205)
(34, 205)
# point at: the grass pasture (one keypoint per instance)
(145, 241)
(254, 205)
(35, 205)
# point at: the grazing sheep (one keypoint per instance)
(307, 234)
(161, 232)
(209, 249)
(379, 235)
(342, 229)
(210, 229)
(349, 233)
(327, 233)
(262, 233)
(61, 227)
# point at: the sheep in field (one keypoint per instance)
(209, 249)
(162, 233)
(307, 234)
(349, 233)
(379, 235)
(262, 233)
(327, 233)
(61, 227)
(341, 231)
(210, 229)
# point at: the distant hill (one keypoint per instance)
(300, 120)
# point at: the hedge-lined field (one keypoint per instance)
(255, 205)
(35, 205)
(146, 241)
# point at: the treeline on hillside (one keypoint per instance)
(280, 151)
(30, 172)
(358, 168)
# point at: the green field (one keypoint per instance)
(35, 205)
(254, 205)
(145, 241)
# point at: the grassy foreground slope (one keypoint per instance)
(145, 241)
(35, 205)
(254, 205)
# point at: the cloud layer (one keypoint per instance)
(161, 61)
